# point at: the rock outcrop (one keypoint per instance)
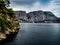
(36, 16)
(22, 15)
(8, 22)
(10, 25)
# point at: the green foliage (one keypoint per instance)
(5, 14)
(8, 22)
(4, 11)
(2, 4)
(2, 21)
(7, 2)
(10, 12)
(7, 17)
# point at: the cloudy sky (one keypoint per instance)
(35, 5)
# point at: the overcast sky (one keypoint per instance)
(35, 5)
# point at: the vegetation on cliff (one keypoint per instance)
(8, 22)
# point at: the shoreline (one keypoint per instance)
(9, 37)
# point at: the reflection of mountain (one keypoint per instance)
(36, 16)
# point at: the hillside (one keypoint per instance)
(8, 22)
(36, 16)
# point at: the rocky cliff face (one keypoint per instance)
(22, 15)
(36, 16)
(49, 15)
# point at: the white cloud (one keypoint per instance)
(37, 6)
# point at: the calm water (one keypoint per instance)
(37, 34)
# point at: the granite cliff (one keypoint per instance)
(36, 16)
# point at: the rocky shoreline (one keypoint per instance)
(9, 25)
(9, 38)
(8, 34)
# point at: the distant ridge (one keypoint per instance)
(36, 16)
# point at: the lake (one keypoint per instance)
(37, 34)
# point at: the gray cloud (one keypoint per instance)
(29, 2)
(23, 2)
(33, 5)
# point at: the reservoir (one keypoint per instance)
(37, 34)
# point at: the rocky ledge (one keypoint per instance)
(11, 29)
(9, 25)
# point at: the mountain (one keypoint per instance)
(36, 16)
(22, 15)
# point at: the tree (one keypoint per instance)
(8, 22)
(7, 17)
(7, 2)
(4, 4)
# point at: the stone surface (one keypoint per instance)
(36, 16)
